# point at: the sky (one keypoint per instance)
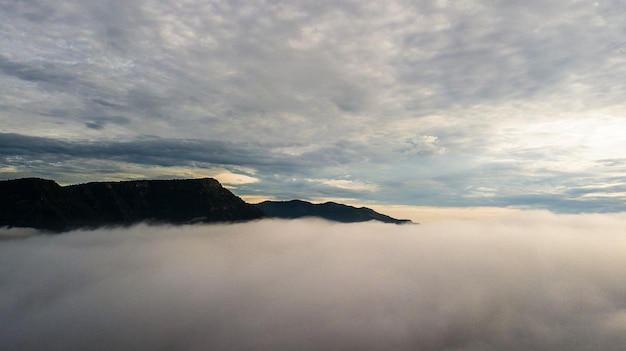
(533, 281)
(413, 104)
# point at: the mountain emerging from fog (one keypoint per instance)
(44, 204)
(329, 210)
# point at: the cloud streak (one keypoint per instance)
(529, 281)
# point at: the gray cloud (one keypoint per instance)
(171, 152)
(286, 58)
(40, 72)
(154, 151)
(531, 281)
(500, 50)
(100, 122)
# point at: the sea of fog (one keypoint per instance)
(531, 281)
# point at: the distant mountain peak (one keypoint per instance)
(329, 210)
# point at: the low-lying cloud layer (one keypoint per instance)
(532, 281)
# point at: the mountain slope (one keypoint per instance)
(43, 204)
(329, 210)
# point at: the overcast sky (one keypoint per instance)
(430, 103)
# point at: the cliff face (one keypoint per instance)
(329, 210)
(43, 204)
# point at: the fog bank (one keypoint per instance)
(531, 281)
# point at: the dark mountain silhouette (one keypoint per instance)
(329, 210)
(43, 204)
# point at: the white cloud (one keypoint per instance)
(119, 171)
(606, 194)
(234, 178)
(346, 184)
(532, 280)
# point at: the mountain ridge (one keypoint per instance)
(329, 210)
(45, 205)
